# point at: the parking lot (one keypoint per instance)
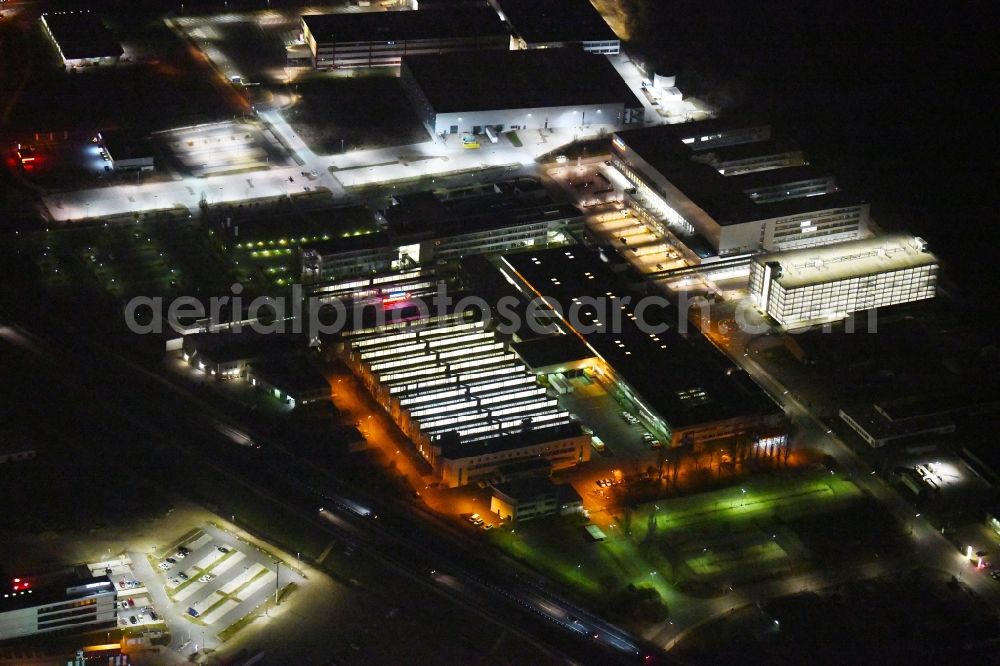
(598, 410)
(221, 148)
(209, 580)
(133, 606)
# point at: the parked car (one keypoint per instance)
(182, 576)
(133, 620)
(223, 549)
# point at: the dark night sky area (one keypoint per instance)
(901, 97)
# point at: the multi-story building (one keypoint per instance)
(55, 603)
(380, 39)
(465, 93)
(525, 499)
(543, 24)
(728, 184)
(821, 284)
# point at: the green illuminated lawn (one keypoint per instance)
(727, 535)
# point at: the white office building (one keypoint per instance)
(730, 186)
(70, 605)
(821, 284)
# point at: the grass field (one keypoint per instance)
(728, 536)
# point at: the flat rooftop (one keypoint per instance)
(292, 373)
(454, 22)
(745, 151)
(227, 346)
(52, 588)
(82, 35)
(841, 261)
(291, 227)
(535, 78)
(547, 21)
(427, 214)
(683, 378)
(532, 488)
(552, 350)
(722, 197)
(123, 145)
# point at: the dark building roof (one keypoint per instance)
(302, 227)
(290, 373)
(370, 241)
(122, 145)
(547, 21)
(682, 377)
(485, 281)
(52, 588)
(246, 345)
(722, 197)
(492, 80)
(770, 177)
(454, 22)
(533, 488)
(504, 205)
(743, 151)
(552, 350)
(82, 35)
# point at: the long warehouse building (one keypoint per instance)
(380, 39)
(465, 401)
(464, 93)
(683, 389)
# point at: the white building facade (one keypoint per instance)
(822, 284)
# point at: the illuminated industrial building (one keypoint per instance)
(682, 388)
(821, 284)
(380, 39)
(125, 152)
(465, 93)
(465, 401)
(728, 184)
(545, 24)
(55, 602)
(81, 38)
